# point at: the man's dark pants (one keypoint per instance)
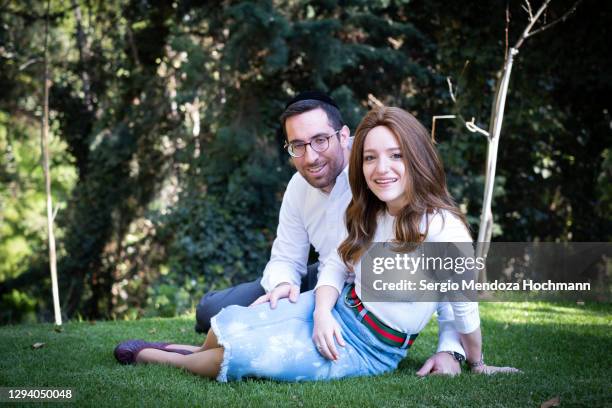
(242, 295)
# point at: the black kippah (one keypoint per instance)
(316, 95)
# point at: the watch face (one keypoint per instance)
(459, 357)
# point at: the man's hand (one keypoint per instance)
(440, 363)
(282, 290)
(323, 333)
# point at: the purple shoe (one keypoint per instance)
(126, 352)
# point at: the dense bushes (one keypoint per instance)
(171, 170)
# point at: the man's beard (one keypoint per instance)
(331, 172)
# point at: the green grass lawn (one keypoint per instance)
(564, 350)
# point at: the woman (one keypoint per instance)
(399, 194)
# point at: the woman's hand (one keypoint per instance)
(323, 333)
(487, 369)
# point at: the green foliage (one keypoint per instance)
(167, 161)
(23, 222)
(19, 306)
(604, 185)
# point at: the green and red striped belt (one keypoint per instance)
(382, 332)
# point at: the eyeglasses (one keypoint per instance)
(318, 143)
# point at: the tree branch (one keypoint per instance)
(28, 63)
(472, 127)
(559, 20)
(508, 25)
(532, 21)
(84, 53)
(130, 37)
(374, 100)
(433, 124)
(528, 9)
(528, 33)
(450, 89)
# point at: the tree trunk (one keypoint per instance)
(44, 142)
(497, 117)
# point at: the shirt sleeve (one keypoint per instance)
(467, 316)
(448, 336)
(446, 227)
(290, 249)
(332, 271)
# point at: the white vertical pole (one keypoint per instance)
(497, 117)
(44, 142)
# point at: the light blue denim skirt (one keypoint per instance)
(260, 342)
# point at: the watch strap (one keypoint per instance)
(457, 356)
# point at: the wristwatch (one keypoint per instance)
(457, 356)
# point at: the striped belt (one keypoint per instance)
(382, 332)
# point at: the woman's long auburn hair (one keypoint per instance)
(425, 185)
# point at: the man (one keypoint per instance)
(312, 213)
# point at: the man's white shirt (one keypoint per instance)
(310, 216)
(307, 216)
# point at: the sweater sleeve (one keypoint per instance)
(448, 336)
(446, 227)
